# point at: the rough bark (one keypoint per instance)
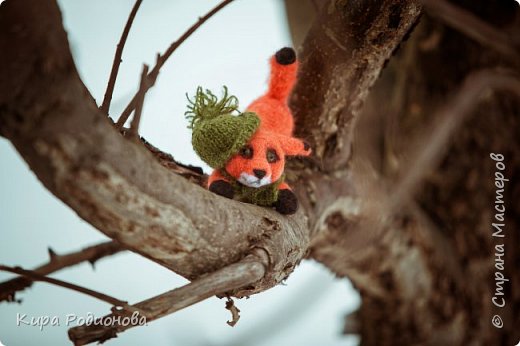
(57, 262)
(113, 183)
(428, 277)
(341, 58)
(222, 280)
(408, 273)
(116, 184)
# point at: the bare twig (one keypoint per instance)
(427, 151)
(134, 125)
(449, 118)
(105, 106)
(285, 315)
(38, 277)
(226, 279)
(57, 262)
(161, 59)
(235, 312)
(473, 27)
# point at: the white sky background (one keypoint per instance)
(230, 49)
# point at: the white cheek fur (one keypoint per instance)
(252, 181)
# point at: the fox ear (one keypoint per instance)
(294, 146)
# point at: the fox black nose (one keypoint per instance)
(259, 173)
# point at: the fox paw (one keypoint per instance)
(287, 202)
(285, 56)
(223, 188)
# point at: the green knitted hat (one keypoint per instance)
(217, 133)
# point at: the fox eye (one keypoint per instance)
(246, 152)
(272, 156)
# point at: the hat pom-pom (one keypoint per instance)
(205, 105)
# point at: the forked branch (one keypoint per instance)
(33, 276)
(161, 60)
(115, 184)
(105, 106)
(226, 279)
(90, 254)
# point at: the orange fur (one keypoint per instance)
(272, 108)
(274, 133)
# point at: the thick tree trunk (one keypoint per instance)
(429, 278)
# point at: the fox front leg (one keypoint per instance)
(287, 203)
(218, 184)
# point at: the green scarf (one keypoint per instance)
(263, 196)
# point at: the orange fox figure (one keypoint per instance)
(259, 165)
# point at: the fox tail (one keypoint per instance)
(283, 74)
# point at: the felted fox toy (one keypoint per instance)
(248, 150)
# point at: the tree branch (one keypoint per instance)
(105, 106)
(229, 278)
(386, 204)
(161, 59)
(33, 276)
(473, 27)
(191, 173)
(428, 147)
(118, 186)
(57, 262)
(341, 59)
(134, 125)
(408, 292)
(115, 184)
